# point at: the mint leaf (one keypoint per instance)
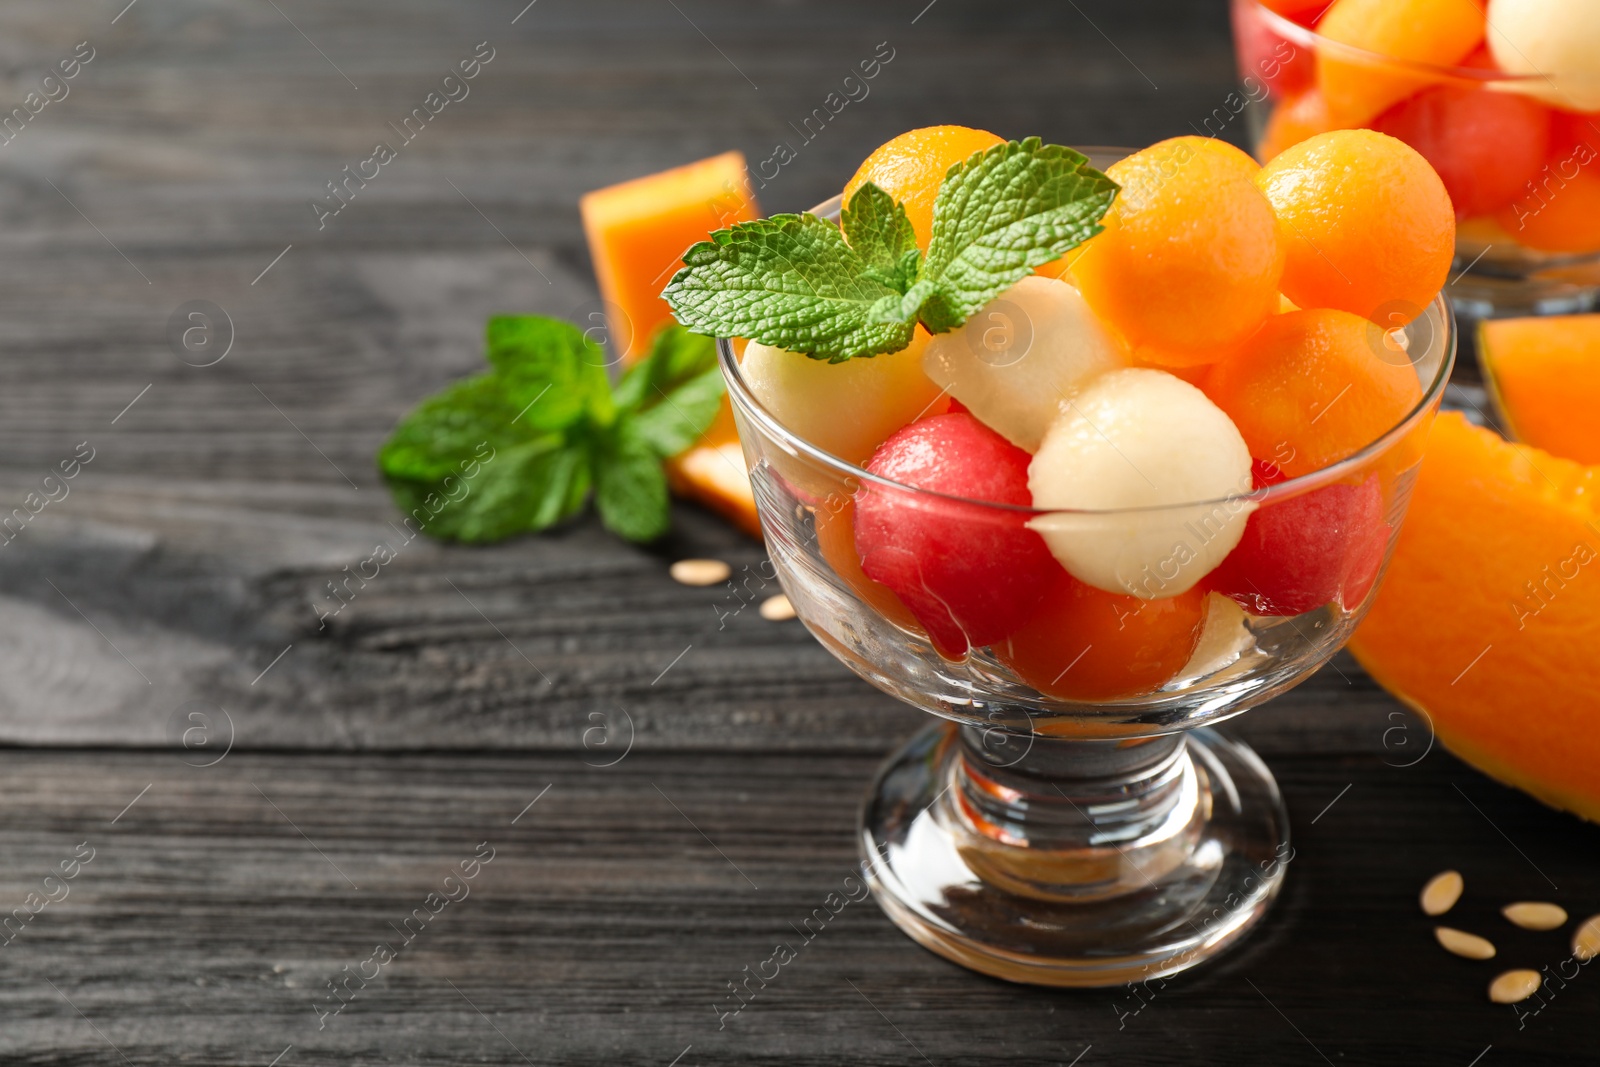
(630, 488)
(457, 423)
(905, 308)
(551, 364)
(999, 215)
(670, 397)
(796, 282)
(526, 487)
(678, 419)
(878, 230)
(520, 448)
(789, 281)
(675, 357)
(463, 466)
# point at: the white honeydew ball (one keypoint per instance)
(1014, 362)
(1225, 637)
(1141, 439)
(1556, 41)
(844, 408)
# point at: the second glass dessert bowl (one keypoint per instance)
(1043, 832)
(1518, 151)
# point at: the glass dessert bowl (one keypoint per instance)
(1047, 453)
(1507, 110)
(1068, 842)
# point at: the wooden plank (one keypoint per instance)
(190, 594)
(618, 907)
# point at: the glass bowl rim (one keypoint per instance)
(742, 398)
(1292, 31)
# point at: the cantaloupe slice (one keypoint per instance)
(1489, 617)
(1545, 373)
(638, 232)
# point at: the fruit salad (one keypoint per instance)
(1502, 97)
(1086, 426)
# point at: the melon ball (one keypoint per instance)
(1309, 550)
(1015, 361)
(1134, 445)
(848, 408)
(1556, 40)
(1225, 637)
(970, 573)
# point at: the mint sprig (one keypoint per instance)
(797, 282)
(790, 281)
(881, 234)
(521, 447)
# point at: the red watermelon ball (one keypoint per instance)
(1301, 553)
(1486, 145)
(1285, 68)
(970, 574)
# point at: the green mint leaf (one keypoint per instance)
(1002, 213)
(675, 357)
(678, 418)
(908, 308)
(453, 425)
(524, 488)
(630, 488)
(672, 395)
(552, 365)
(789, 281)
(876, 227)
(902, 275)
(464, 466)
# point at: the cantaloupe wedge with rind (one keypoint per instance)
(1489, 618)
(1545, 373)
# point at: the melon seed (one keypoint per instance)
(1586, 940)
(1441, 892)
(700, 571)
(777, 608)
(1514, 986)
(1535, 915)
(1462, 943)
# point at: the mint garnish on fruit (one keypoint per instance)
(836, 293)
(519, 448)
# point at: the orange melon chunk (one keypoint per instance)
(1489, 617)
(1546, 376)
(638, 232)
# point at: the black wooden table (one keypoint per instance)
(648, 789)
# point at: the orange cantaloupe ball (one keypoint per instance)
(911, 167)
(1557, 213)
(1314, 387)
(1437, 33)
(1370, 227)
(1191, 255)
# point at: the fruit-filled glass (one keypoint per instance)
(1503, 99)
(1079, 502)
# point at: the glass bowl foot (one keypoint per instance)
(1075, 863)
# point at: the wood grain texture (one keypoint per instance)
(618, 907)
(183, 572)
